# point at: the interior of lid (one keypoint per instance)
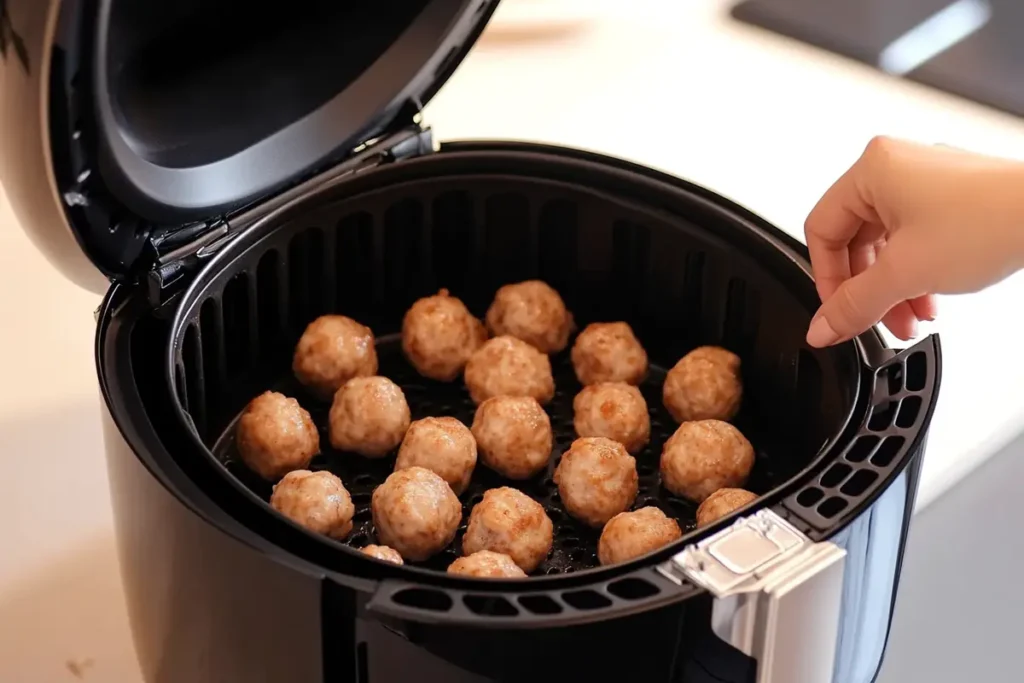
(206, 104)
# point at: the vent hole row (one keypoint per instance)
(433, 600)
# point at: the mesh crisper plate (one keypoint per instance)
(575, 545)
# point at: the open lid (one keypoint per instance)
(177, 113)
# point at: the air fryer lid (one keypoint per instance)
(165, 114)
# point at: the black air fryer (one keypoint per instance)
(230, 170)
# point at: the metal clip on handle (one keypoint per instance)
(778, 595)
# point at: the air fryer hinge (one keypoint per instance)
(778, 595)
(180, 253)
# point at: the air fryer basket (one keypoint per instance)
(682, 271)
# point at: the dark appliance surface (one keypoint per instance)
(982, 65)
(189, 154)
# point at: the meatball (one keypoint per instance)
(704, 385)
(315, 500)
(704, 456)
(383, 553)
(609, 352)
(487, 565)
(331, 351)
(416, 513)
(721, 503)
(509, 521)
(614, 410)
(506, 366)
(531, 311)
(596, 480)
(275, 435)
(443, 445)
(629, 535)
(514, 436)
(369, 416)
(439, 334)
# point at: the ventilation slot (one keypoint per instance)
(887, 452)
(423, 598)
(832, 507)
(454, 243)
(917, 371)
(894, 378)
(631, 263)
(859, 483)
(305, 282)
(633, 589)
(238, 336)
(490, 606)
(809, 497)
(509, 253)
(195, 382)
(211, 328)
(862, 448)
(557, 237)
(741, 313)
(808, 389)
(357, 287)
(910, 408)
(693, 290)
(539, 604)
(586, 600)
(835, 475)
(268, 302)
(404, 253)
(881, 416)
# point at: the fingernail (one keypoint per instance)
(820, 334)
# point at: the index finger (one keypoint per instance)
(832, 225)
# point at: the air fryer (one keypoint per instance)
(229, 171)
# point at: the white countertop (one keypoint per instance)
(765, 121)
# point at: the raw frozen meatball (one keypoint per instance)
(509, 521)
(443, 445)
(614, 410)
(383, 553)
(704, 456)
(416, 513)
(514, 435)
(721, 503)
(331, 351)
(609, 352)
(596, 480)
(506, 366)
(704, 385)
(315, 500)
(531, 311)
(439, 334)
(487, 565)
(629, 535)
(369, 416)
(275, 435)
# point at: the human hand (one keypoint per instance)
(906, 222)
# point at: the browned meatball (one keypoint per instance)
(416, 513)
(383, 553)
(596, 480)
(487, 565)
(439, 334)
(510, 522)
(609, 352)
(443, 445)
(629, 535)
(514, 436)
(369, 416)
(506, 366)
(315, 500)
(704, 385)
(275, 435)
(531, 311)
(704, 456)
(721, 503)
(614, 410)
(331, 351)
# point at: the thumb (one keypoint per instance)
(863, 300)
